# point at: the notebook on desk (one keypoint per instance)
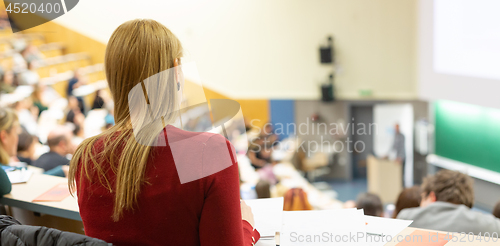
(18, 176)
(56, 194)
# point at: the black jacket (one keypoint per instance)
(12, 233)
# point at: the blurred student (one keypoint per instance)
(27, 114)
(9, 130)
(398, 147)
(349, 204)
(496, 210)
(260, 153)
(371, 204)
(296, 200)
(26, 147)
(74, 110)
(130, 193)
(263, 189)
(447, 199)
(268, 135)
(408, 198)
(60, 143)
(31, 53)
(98, 100)
(7, 84)
(19, 64)
(37, 98)
(78, 80)
(29, 76)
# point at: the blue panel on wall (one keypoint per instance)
(282, 113)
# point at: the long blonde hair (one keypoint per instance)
(7, 120)
(137, 50)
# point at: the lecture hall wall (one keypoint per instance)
(258, 50)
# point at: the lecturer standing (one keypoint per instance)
(398, 147)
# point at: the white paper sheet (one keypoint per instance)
(268, 215)
(19, 176)
(381, 230)
(323, 227)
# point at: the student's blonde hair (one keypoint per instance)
(137, 49)
(8, 119)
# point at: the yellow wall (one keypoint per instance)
(251, 108)
(269, 49)
(73, 41)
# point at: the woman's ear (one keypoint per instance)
(432, 196)
(177, 75)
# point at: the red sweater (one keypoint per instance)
(205, 211)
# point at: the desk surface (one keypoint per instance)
(22, 196)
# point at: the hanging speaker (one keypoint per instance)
(326, 52)
(327, 91)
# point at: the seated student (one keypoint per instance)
(268, 135)
(37, 98)
(74, 110)
(260, 153)
(98, 100)
(31, 53)
(132, 193)
(408, 198)
(446, 201)
(78, 80)
(26, 147)
(296, 200)
(7, 82)
(27, 114)
(54, 162)
(9, 130)
(371, 204)
(496, 210)
(263, 189)
(29, 76)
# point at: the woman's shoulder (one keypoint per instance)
(199, 154)
(176, 135)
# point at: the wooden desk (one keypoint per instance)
(22, 196)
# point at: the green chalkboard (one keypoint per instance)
(468, 133)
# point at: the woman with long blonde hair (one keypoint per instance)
(129, 190)
(9, 130)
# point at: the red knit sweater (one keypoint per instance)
(205, 211)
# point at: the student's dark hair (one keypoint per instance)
(263, 189)
(51, 142)
(450, 186)
(76, 129)
(370, 203)
(25, 140)
(496, 210)
(408, 198)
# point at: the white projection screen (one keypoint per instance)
(459, 51)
